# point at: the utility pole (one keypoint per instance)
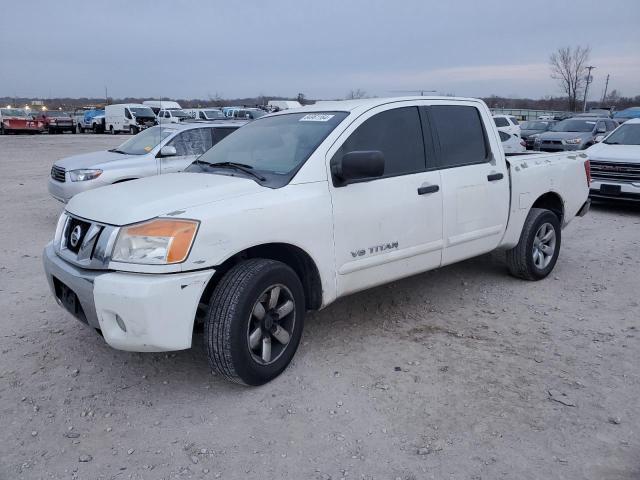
(586, 88)
(606, 85)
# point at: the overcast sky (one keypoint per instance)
(323, 48)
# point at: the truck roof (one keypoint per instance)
(368, 103)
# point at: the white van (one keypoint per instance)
(171, 115)
(157, 105)
(128, 117)
(205, 113)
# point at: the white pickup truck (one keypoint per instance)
(297, 209)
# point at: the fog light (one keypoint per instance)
(120, 323)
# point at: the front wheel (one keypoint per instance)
(133, 130)
(535, 255)
(254, 321)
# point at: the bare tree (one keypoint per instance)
(568, 67)
(356, 94)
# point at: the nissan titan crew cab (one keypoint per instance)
(297, 209)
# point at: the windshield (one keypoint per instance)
(179, 113)
(534, 125)
(276, 145)
(56, 113)
(145, 141)
(625, 135)
(142, 111)
(13, 112)
(211, 114)
(574, 126)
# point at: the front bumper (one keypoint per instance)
(611, 190)
(134, 312)
(64, 191)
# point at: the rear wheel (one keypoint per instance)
(535, 255)
(254, 321)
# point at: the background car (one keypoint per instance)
(56, 121)
(507, 124)
(171, 115)
(531, 129)
(512, 143)
(17, 120)
(626, 114)
(615, 164)
(573, 134)
(248, 113)
(156, 150)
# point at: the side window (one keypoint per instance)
(220, 133)
(202, 115)
(601, 126)
(397, 134)
(501, 122)
(192, 142)
(460, 134)
(127, 113)
(504, 136)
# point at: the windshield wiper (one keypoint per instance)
(612, 143)
(237, 166)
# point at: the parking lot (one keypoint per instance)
(462, 373)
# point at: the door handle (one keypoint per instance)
(495, 176)
(428, 189)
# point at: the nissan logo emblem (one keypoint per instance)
(74, 238)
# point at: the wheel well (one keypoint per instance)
(293, 256)
(551, 201)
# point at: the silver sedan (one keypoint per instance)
(154, 151)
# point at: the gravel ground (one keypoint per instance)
(460, 373)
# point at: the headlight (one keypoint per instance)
(573, 141)
(157, 242)
(84, 175)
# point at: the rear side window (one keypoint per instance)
(192, 142)
(460, 134)
(504, 136)
(501, 122)
(397, 134)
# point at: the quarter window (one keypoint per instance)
(504, 136)
(460, 134)
(397, 134)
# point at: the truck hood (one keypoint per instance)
(89, 160)
(614, 153)
(150, 197)
(564, 135)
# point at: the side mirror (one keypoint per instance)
(168, 151)
(599, 138)
(358, 165)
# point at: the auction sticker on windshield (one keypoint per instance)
(317, 117)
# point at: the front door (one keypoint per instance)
(389, 227)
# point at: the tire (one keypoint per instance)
(522, 260)
(233, 319)
(133, 130)
(111, 130)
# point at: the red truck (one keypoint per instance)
(17, 120)
(57, 121)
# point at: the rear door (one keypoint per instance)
(475, 184)
(388, 227)
(189, 145)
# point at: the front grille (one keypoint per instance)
(552, 142)
(75, 234)
(57, 173)
(85, 243)
(616, 171)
